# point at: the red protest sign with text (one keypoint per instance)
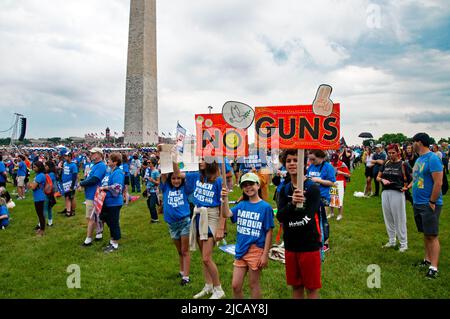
(215, 137)
(297, 127)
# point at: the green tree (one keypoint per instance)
(389, 138)
(55, 140)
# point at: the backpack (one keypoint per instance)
(444, 183)
(48, 187)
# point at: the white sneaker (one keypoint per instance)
(339, 217)
(330, 216)
(205, 291)
(389, 245)
(217, 294)
(99, 236)
(403, 249)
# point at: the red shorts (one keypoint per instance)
(303, 269)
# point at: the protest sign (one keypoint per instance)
(297, 126)
(215, 137)
(337, 194)
(237, 114)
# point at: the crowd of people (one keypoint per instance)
(195, 204)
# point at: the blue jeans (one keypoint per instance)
(151, 204)
(47, 209)
(135, 183)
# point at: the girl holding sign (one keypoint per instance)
(254, 219)
(207, 226)
(177, 215)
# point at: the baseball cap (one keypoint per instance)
(422, 137)
(96, 150)
(249, 177)
(379, 145)
(64, 152)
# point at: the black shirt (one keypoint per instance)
(395, 173)
(301, 230)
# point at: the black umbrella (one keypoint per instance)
(365, 135)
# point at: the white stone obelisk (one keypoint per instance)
(141, 101)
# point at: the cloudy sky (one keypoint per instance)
(63, 63)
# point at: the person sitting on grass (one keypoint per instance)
(4, 215)
(253, 240)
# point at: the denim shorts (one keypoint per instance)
(180, 228)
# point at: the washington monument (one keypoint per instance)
(141, 101)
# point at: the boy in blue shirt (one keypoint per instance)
(427, 199)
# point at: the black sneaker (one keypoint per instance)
(185, 282)
(110, 248)
(154, 221)
(422, 264)
(431, 274)
(63, 212)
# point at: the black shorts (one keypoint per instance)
(127, 180)
(427, 220)
(369, 171)
(70, 194)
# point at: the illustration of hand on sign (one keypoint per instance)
(322, 104)
(237, 114)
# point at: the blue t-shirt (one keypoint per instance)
(176, 205)
(22, 170)
(423, 180)
(111, 178)
(38, 193)
(282, 178)
(3, 212)
(99, 171)
(152, 187)
(68, 170)
(2, 171)
(325, 172)
(249, 162)
(253, 220)
(205, 194)
(125, 168)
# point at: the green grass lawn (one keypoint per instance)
(146, 264)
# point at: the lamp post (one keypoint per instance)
(210, 108)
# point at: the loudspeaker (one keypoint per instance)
(23, 128)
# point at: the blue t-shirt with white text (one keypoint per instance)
(176, 205)
(204, 194)
(253, 221)
(99, 171)
(114, 177)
